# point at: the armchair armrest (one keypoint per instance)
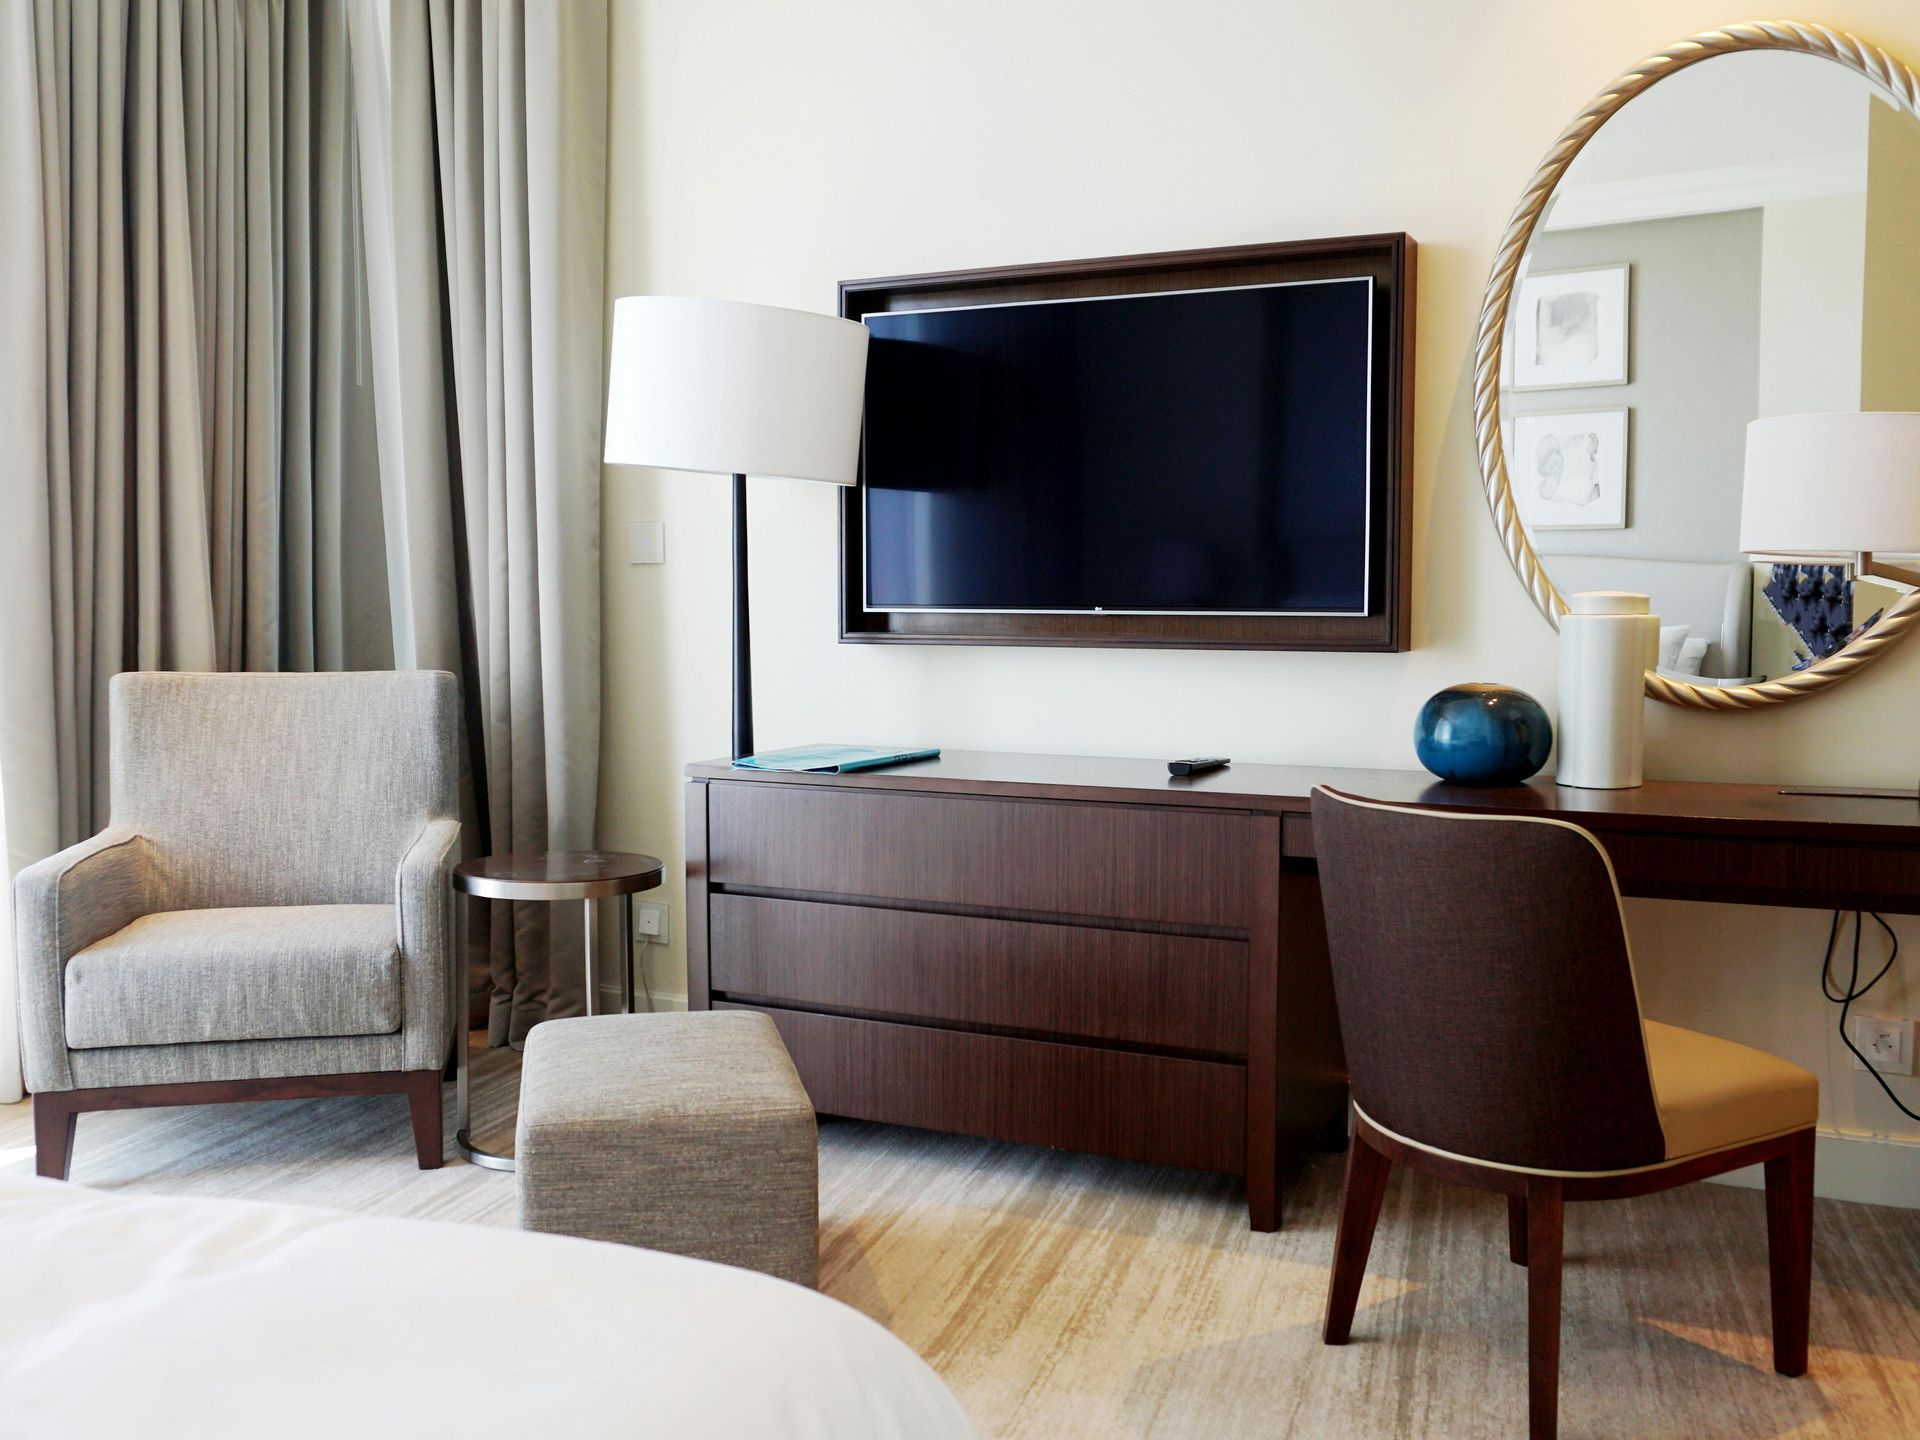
(61, 905)
(423, 891)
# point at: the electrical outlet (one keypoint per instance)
(1887, 1043)
(650, 925)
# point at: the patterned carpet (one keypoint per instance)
(1064, 1295)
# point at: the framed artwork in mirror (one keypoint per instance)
(1571, 328)
(1569, 470)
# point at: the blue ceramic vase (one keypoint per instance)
(1480, 734)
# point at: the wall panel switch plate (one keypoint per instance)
(1887, 1043)
(646, 542)
(650, 925)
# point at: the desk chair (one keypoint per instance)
(1533, 1073)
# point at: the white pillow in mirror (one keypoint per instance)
(1693, 654)
(1672, 637)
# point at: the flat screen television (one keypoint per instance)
(1205, 451)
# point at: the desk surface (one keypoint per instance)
(1669, 806)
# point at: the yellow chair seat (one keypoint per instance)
(1713, 1094)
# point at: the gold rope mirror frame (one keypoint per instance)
(1894, 80)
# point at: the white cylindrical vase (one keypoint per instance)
(1608, 642)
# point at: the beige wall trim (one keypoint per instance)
(1852, 1165)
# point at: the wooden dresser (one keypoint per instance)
(1090, 954)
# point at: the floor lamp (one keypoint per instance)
(725, 388)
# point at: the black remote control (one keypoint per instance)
(1199, 765)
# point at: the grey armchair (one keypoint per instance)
(266, 917)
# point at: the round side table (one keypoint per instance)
(588, 876)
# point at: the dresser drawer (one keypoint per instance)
(1076, 1097)
(1171, 991)
(1132, 863)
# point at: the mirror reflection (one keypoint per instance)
(1736, 243)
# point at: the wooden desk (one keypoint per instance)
(1088, 953)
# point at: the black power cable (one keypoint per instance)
(1856, 991)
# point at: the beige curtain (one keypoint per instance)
(29, 786)
(189, 484)
(484, 136)
(303, 352)
(200, 309)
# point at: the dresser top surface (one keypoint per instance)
(1672, 805)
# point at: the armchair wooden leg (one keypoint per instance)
(1545, 1232)
(423, 1100)
(1790, 1251)
(54, 1120)
(1360, 1196)
(1517, 1229)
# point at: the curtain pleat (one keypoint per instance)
(567, 109)
(294, 182)
(261, 480)
(506, 105)
(32, 235)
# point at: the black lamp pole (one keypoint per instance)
(742, 644)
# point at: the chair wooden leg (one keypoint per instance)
(423, 1100)
(54, 1121)
(1517, 1229)
(1790, 1251)
(1360, 1196)
(1545, 1231)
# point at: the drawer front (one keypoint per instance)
(1175, 992)
(1134, 863)
(1076, 1097)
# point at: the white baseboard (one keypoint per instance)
(1854, 1165)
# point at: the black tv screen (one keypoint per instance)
(1198, 452)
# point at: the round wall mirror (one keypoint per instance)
(1724, 235)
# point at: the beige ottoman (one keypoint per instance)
(688, 1133)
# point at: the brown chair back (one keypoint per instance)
(1485, 990)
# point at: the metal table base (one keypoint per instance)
(462, 901)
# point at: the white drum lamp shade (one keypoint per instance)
(735, 389)
(1834, 484)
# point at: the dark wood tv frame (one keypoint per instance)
(1388, 625)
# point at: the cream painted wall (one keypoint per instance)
(1813, 266)
(763, 150)
(1890, 342)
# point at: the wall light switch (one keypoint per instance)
(1887, 1043)
(646, 542)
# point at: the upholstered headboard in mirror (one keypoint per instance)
(1711, 600)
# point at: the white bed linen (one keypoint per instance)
(133, 1316)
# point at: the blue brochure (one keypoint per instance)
(832, 759)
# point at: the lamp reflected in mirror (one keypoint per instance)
(1832, 503)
